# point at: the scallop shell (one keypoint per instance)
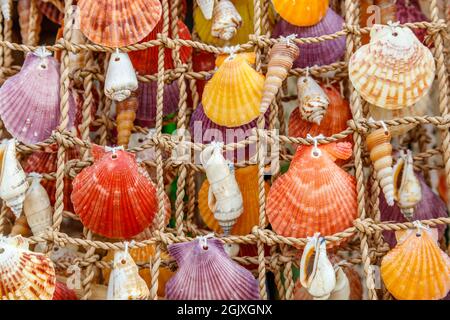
(203, 130)
(46, 162)
(334, 121)
(232, 97)
(301, 13)
(62, 292)
(114, 197)
(125, 283)
(206, 272)
(145, 61)
(317, 274)
(394, 70)
(203, 61)
(409, 11)
(380, 148)
(13, 184)
(430, 206)
(30, 102)
(224, 195)
(314, 195)
(146, 113)
(118, 23)
(322, 53)
(407, 190)
(226, 20)
(281, 59)
(50, 11)
(250, 57)
(247, 179)
(25, 275)
(313, 102)
(416, 269)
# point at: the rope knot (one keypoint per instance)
(363, 226)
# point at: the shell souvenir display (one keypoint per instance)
(226, 20)
(430, 206)
(301, 13)
(233, 95)
(114, 197)
(380, 148)
(313, 102)
(395, 70)
(206, 272)
(120, 22)
(224, 196)
(125, 283)
(30, 102)
(25, 275)
(416, 269)
(320, 53)
(281, 58)
(247, 179)
(13, 184)
(314, 195)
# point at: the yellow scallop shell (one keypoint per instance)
(232, 97)
(249, 56)
(302, 13)
(247, 179)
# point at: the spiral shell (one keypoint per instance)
(126, 114)
(380, 148)
(281, 58)
(313, 102)
(226, 20)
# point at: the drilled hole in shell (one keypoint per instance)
(2, 250)
(114, 156)
(418, 234)
(205, 248)
(43, 66)
(55, 249)
(123, 261)
(140, 140)
(395, 34)
(117, 59)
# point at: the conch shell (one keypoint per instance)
(407, 190)
(226, 20)
(380, 148)
(416, 269)
(121, 78)
(281, 58)
(125, 283)
(37, 206)
(395, 70)
(313, 101)
(316, 271)
(126, 114)
(13, 184)
(224, 196)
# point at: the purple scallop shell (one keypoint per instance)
(430, 207)
(146, 113)
(208, 274)
(322, 53)
(30, 102)
(203, 130)
(410, 12)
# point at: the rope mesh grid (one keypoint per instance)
(365, 240)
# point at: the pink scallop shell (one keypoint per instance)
(430, 207)
(208, 274)
(322, 53)
(146, 113)
(203, 130)
(29, 101)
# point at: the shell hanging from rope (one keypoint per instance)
(206, 272)
(301, 13)
(416, 269)
(313, 102)
(380, 148)
(25, 275)
(232, 97)
(125, 116)
(394, 70)
(281, 58)
(226, 20)
(121, 78)
(114, 197)
(118, 23)
(13, 183)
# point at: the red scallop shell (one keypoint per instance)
(114, 197)
(62, 292)
(203, 61)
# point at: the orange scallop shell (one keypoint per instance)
(117, 23)
(314, 195)
(247, 179)
(416, 269)
(145, 61)
(250, 57)
(114, 197)
(303, 13)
